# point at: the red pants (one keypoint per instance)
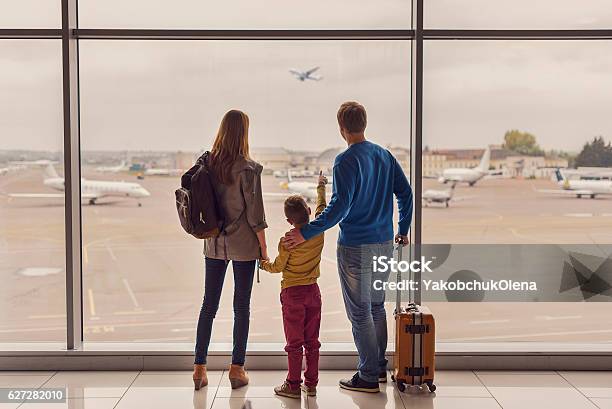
(302, 320)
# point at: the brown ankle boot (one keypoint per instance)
(238, 377)
(199, 376)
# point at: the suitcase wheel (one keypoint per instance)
(431, 386)
(401, 386)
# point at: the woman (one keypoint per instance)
(237, 181)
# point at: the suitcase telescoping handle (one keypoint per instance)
(398, 298)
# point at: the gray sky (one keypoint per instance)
(171, 95)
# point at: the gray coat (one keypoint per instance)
(241, 205)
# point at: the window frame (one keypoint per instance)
(70, 33)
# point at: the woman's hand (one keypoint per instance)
(264, 254)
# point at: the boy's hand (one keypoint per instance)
(322, 179)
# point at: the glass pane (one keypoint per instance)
(536, 107)
(518, 14)
(149, 107)
(245, 14)
(32, 296)
(30, 14)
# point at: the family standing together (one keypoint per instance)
(366, 177)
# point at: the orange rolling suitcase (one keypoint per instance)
(415, 343)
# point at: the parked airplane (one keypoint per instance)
(467, 175)
(39, 163)
(439, 196)
(163, 172)
(122, 167)
(306, 75)
(91, 190)
(579, 188)
(308, 190)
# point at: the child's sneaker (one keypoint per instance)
(309, 390)
(288, 391)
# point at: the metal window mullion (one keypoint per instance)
(205, 34)
(417, 136)
(30, 34)
(72, 177)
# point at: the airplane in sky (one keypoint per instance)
(91, 190)
(306, 75)
(579, 187)
(113, 169)
(468, 175)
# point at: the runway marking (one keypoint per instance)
(551, 318)
(137, 312)
(162, 339)
(329, 259)
(332, 313)
(182, 329)
(44, 317)
(111, 252)
(578, 215)
(335, 330)
(130, 292)
(485, 322)
(92, 304)
(537, 334)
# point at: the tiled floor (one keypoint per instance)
(456, 390)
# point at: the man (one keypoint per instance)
(366, 176)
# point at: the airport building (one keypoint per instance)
(105, 104)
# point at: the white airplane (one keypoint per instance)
(439, 196)
(306, 75)
(163, 172)
(467, 175)
(308, 190)
(91, 190)
(113, 169)
(579, 188)
(442, 196)
(40, 163)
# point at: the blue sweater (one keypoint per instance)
(366, 177)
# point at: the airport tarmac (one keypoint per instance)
(143, 276)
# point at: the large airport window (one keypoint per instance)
(504, 121)
(32, 252)
(517, 14)
(148, 108)
(245, 14)
(30, 14)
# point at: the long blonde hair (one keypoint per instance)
(232, 142)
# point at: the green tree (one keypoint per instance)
(522, 142)
(595, 153)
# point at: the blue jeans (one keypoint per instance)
(213, 284)
(365, 306)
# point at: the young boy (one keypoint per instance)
(300, 297)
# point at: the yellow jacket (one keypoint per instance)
(300, 265)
